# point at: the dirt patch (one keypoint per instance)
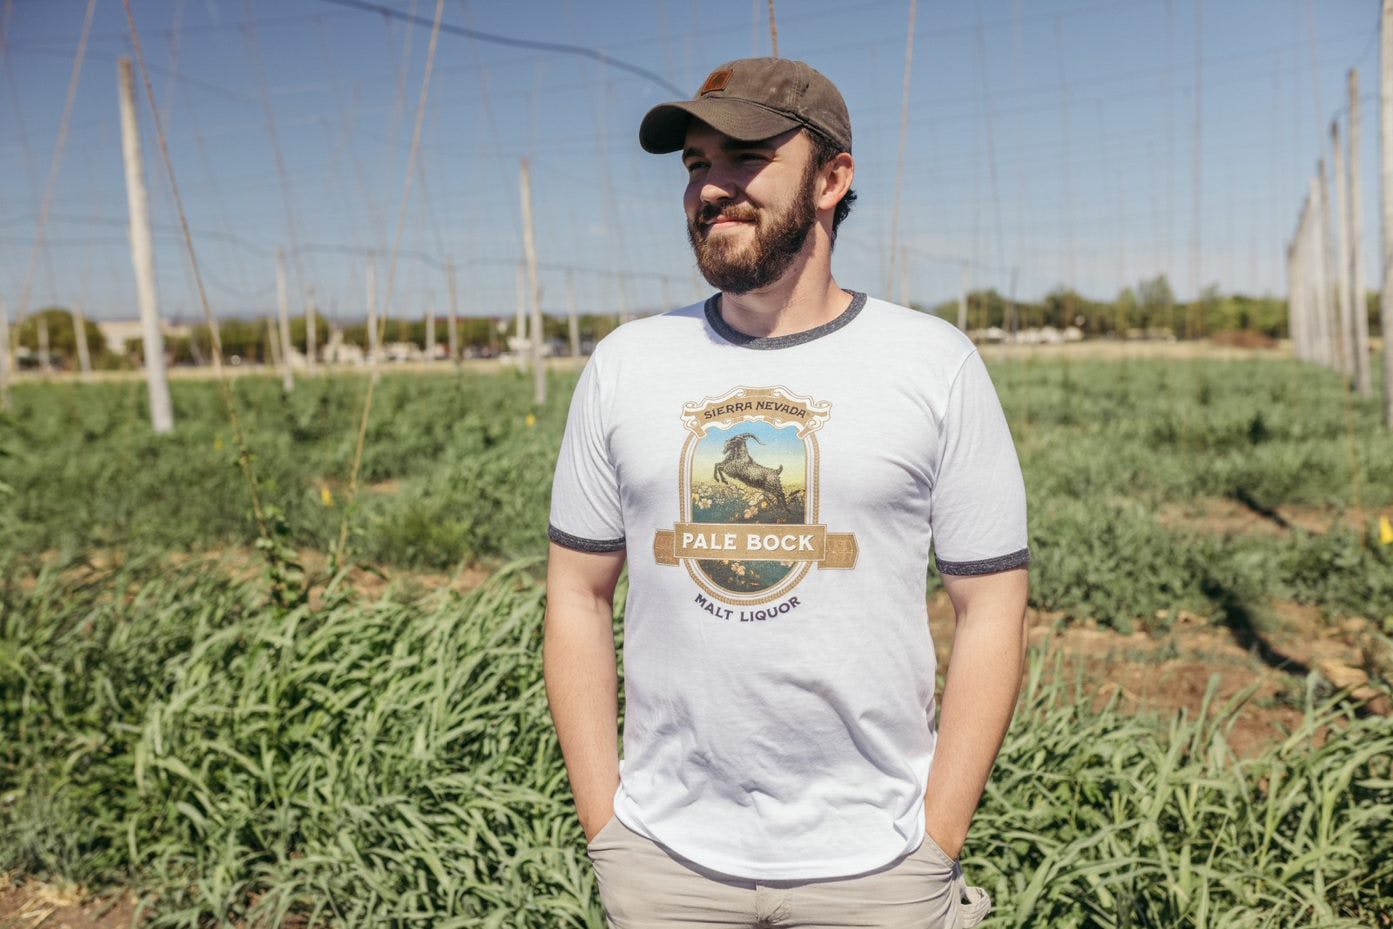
(1227, 516)
(1172, 672)
(1243, 338)
(31, 904)
(246, 564)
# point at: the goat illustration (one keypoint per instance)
(738, 464)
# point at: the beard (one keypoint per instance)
(779, 237)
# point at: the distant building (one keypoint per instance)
(118, 332)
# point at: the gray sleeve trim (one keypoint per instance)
(583, 545)
(987, 566)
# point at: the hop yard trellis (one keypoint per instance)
(1328, 314)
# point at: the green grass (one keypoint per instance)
(390, 761)
(1105, 446)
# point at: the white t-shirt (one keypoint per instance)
(777, 498)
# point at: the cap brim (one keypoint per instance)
(664, 129)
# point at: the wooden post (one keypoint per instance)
(1356, 250)
(453, 326)
(283, 315)
(372, 309)
(1325, 309)
(311, 328)
(84, 356)
(143, 255)
(896, 272)
(6, 357)
(572, 320)
(41, 332)
(430, 328)
(1345, 306)
(1298, 315)
(520, 318)
(1291, 298)
(1386, 200)
(273, 342)
(962, 301)
(529, 247)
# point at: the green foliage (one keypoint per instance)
(452, 474)
(391, 761)
(1096, 819)
(1148, 308)
(62, 336)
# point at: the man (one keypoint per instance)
(775, 464)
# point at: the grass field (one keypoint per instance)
(380, 754)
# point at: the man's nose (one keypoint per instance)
(718, 185)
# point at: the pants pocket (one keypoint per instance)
(602, 836)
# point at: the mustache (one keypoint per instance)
(711, 212)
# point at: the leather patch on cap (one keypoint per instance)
(716, 81)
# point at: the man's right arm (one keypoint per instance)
(582, 680)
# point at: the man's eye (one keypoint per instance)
(694, 165)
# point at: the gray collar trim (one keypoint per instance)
(745, 340)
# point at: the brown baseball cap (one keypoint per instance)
(751, 99)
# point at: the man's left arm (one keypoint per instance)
(979, 697)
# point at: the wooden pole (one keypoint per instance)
(372, 309)
(520, 317)
(1362, 382)
(1325, 308)
(143, 255)
(1345, 306)
(283, 316)
(84, 356)
(41, 332)
(1291, 298)
(529, 247)
(962, 301)
(311, 328)
(453, 325)
(893, 278)
(1310, 307)
(572, 320)
(6, 357)
(430, 331)
(1386, 201)
(1298, 318)
(273, 345)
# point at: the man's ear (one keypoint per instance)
(837, 177)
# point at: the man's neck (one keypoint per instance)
(803, 299)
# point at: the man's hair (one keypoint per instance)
(824, 150)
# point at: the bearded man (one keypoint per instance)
(776, 465)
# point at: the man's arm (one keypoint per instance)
(979, 696)
(582, 680)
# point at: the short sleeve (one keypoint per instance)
(977, 510)
(585, 509)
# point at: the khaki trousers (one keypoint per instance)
(645, 886)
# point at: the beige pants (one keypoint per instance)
(645, 886)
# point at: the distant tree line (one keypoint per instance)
(56, 325)
(1149, 308)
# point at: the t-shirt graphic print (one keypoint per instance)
(779, 500)
(749, 496)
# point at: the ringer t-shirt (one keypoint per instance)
(777, 499)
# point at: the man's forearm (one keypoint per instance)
(979, 697)
(579, 667)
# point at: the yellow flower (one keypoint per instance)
(217, 443)
(326, 496)
(530, 420)
(1385, 531)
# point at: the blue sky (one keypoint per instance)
(1052, 140)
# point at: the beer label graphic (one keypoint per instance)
(749, 531)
